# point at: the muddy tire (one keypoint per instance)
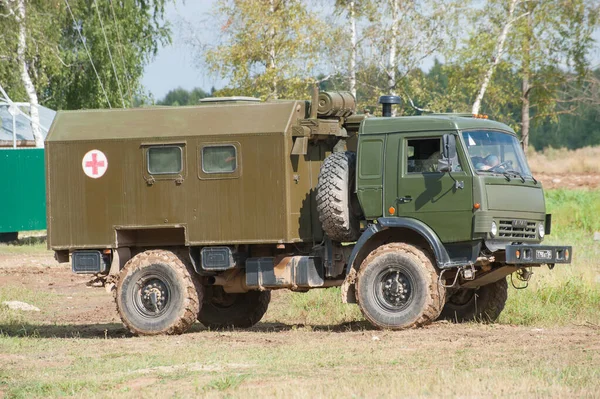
(222, 310)
(337, 203)
(158, 294)
(398, 288)
(481, 304)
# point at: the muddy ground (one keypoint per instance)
(78, 308)
(60, 351)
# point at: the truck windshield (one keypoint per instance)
(495, 152)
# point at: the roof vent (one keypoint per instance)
(387, 102)
(235, 99)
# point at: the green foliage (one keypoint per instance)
(180, 96)
(58, 63)
(225, 383)
(268, 48)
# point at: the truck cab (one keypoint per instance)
(468, 204)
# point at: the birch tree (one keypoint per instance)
(403, 35)
(498, 53)
(16, 9)
(54, 40)
(267, 48)
(554, 38)
(546, 43)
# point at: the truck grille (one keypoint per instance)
(508, 230)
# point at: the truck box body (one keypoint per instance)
(267, 197)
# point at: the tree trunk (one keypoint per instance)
(29, 87)
(497, 56)
(393, 62)
(272, 65)
(352, 17)
(525, 116)
(526, 87)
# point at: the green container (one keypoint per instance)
(22, 190)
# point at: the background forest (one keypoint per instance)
(532, 64)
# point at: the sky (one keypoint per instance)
(174, 64)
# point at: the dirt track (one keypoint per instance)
(78, 329)
(91, 311)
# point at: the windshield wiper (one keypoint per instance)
(506, 175)
(516, 173)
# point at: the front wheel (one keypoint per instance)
(157, 294)
(484, 303)
(398, 287)
(223, 310)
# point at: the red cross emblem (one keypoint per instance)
(94, 164)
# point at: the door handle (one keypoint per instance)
(404, 200)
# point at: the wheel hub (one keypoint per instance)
(154, 296)
(395, 289)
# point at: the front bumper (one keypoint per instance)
(531, 254)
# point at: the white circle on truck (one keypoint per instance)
(94, 164)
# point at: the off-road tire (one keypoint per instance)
(239, 310)
(481, 304)
(336, 201)
(412, 266)
(184, 293)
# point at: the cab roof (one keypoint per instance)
(428, 123)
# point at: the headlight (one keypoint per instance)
(541, 231)
(494, 230)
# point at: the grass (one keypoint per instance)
(496, 361)
(564, 161)
(546, 343)
(28, 242)
(15, 318)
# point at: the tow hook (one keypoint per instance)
(523, 275)
(467, 272)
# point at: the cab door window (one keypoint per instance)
(423, 154)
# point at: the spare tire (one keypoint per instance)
(337, 203)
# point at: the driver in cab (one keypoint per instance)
(486, 163)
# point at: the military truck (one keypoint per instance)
(197, 213)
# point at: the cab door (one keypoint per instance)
(415, 189)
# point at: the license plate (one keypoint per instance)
(543, 254)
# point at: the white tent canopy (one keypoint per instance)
(21, 135)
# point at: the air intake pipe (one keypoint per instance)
(387, 102)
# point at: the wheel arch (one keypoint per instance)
(410, 231)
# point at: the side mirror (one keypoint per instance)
(448, 153)
(444, 165)
(448, 146)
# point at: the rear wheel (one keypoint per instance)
(398, 287)
(481, 304)
(158, 294)
(223, 310)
